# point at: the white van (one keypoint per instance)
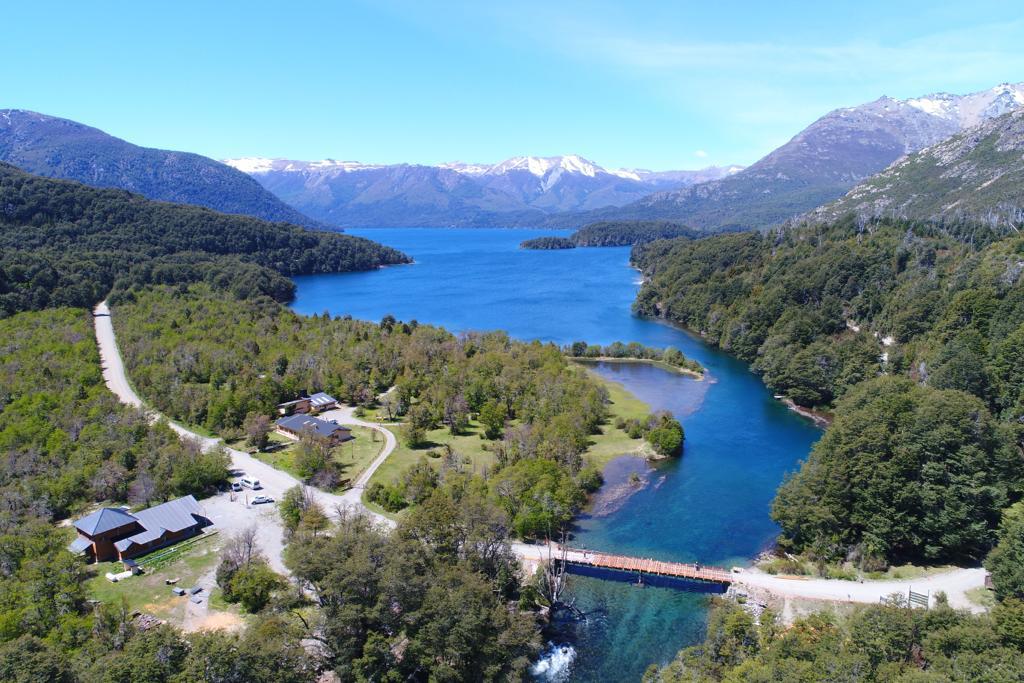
(251, 483)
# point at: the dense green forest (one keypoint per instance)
(437, 599)
(877, 643)
(66, 244)
(819, 308)
(912, 333)
(211, 360)
(66, 439)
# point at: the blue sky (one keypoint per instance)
(640, 84)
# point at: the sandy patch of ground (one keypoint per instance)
(219, 621)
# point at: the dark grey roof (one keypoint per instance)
(174, 515)
(140, 538)
(302, 423)
(292, 403)
(321, 399)
(79, 545)
(103, 520)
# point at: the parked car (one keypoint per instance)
(235, 486)
(251, 483)
(262, 499)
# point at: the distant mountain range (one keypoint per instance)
(821, 163)
(516, 192)
(59, 148)
(976, 175)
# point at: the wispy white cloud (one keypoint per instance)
(767, 91)
(700, 154)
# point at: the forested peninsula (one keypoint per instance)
(614, 234)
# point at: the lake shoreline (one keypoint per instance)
(709, 505)
(693, 374)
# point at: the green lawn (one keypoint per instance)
(613, 442)
(609, 444)
(474, 451)
(149, 593)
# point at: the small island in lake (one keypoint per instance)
(548, 243)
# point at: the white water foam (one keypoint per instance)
(555, 663)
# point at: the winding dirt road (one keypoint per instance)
(274, 481)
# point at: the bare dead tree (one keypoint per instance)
(554, 582)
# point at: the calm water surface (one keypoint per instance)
(711, 505)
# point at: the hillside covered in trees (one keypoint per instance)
(912, 333)
(66, 244)
(876, 643)
(53, 147)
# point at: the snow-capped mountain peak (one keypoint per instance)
(542, 166)
(970, 110)
(262, 165)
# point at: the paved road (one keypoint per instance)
(954, 583)
(275, 482)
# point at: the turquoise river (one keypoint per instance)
(711, 505)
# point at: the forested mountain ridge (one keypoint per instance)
(64, 243)
(885, 296)
(59, 148)
(821, 163)
(913, 333)
(977, 175)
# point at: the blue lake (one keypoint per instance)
(711, 505)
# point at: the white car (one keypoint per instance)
(262, 499)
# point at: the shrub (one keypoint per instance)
(253, 586)
(388, 497)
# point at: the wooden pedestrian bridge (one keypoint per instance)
(581, 557)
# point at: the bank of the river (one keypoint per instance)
(648, 361)
(711, 505)
(819, 417)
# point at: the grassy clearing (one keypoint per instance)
(476, 452)
(613, 442)
(473, 450)
(356, 455)
(187, 561)
(649, 361)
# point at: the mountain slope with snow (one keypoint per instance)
(522, 190)
(821, 163)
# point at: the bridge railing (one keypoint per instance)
(643, 565)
